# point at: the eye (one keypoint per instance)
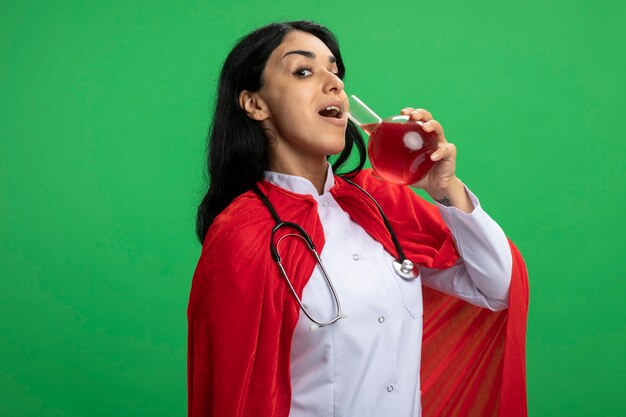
(303, 72)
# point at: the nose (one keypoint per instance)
(333, 84)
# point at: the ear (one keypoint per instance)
(253, 106)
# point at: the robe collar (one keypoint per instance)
(300, 185)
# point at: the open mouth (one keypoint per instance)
(331, 111)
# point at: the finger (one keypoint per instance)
(433, 126)
(421, 114)
(445, 151)
(407, 110)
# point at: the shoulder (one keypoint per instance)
(241, 219)
(234, 250)
(386, 193)
(399, 202)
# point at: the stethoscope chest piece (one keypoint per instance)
(406, 269)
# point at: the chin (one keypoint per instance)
(334, 152)
(337, 146)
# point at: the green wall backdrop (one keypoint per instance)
(103, 117)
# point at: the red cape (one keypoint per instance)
(242, 315)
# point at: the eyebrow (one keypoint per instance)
(310, 55)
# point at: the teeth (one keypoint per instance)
(331, 111)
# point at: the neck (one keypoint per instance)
(315, 172)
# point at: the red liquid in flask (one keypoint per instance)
(400, 152)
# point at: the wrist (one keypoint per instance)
(451, 187)
(453, 194)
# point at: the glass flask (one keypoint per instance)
(399, 149)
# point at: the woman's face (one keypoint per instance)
(299, 83)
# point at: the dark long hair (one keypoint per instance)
(237, 146)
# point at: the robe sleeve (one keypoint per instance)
(483, 276)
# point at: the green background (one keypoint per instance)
(103, 118)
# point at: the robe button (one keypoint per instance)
(326, 203)
(381, 319)
(389, 388)
(355, 256)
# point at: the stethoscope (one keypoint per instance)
(402, 266)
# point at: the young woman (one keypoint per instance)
(275, 331)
